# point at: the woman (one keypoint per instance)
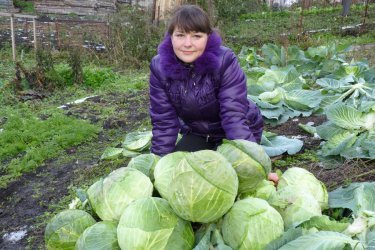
(197, 88)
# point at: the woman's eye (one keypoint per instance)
(197, 36)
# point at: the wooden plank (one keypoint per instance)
(17, 15)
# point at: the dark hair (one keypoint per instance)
(190, 18)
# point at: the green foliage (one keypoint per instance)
(95, 76)
(76, 65)
(133, 38)
(25, 6)
(27, 141)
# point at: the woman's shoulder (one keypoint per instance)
(155, 64)
(227, 57)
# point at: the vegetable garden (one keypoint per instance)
(95, 185)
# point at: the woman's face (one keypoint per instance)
(188, 46)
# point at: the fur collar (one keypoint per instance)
(173, 68)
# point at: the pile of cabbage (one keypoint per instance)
(211, 200)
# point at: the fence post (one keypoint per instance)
(34, 29)
(13, 38)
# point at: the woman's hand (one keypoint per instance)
(274, 178)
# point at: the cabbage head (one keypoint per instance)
(150, 223)
(63, 229)
(200, 186)
(101, 236)
(265, 190)
(251, 224)
(111, 195)
(296, 205)
(250, 161)
(300, 178)
(145, 163)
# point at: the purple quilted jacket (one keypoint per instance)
(206, 98)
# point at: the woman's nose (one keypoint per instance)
(187, 41)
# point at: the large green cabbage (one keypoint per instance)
(145, 163)
(300, 178)
(296, 205)
(150, 223)
(199, 186)
(111, 195)
(251, 224)
(250, 161)
(101, 236)
(63, 229)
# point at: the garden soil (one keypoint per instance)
(26, 204)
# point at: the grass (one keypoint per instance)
(34, 131)
(27, 141)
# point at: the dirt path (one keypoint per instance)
(26, 204)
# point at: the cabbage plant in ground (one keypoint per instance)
(150, 223)
(286, 83)
(349, 132)
(200, 186)
(280, 95)
(111, 195)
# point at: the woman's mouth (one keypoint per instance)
(187, 52)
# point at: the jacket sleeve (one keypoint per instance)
(165, 124)
(234, 105)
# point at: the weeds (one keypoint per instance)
(27, 141)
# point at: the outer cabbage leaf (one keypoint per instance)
(63, 229)
(111, 195)
(324, 223)
(357, 197)
(328, 130)
(296, 55)
(150, 223)
(304, 100)
(331, 84)
(338, 143)
(286, 237)
(274, 55)
(111, 153)
(251, 224)
(100, 236)
(137, 141)
(345, 116)
(308, 128)
(323, 240)
(200, 186)
(281, 144)
(250, 161)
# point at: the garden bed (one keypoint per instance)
(30, 201)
